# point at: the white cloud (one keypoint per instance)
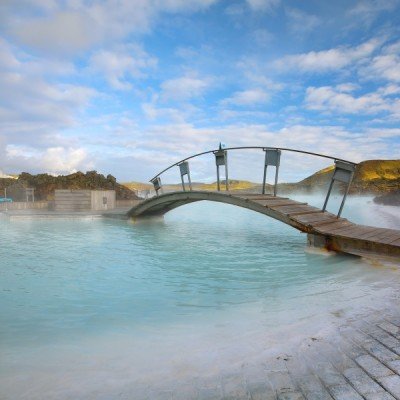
(26, 96)
(235, 10)
(248, 97)
(53, 160)
(263, 5)
(34, 110)
(300, 21)
(335, 99)
(263, 37)
(65, 28)
(14, 60)
(366, 11)
(185, 87)
(385, 65)
(327, 60)
(64, 32)
(122, 64)
(153, 112)
(326, 139)
(35, 100)
(59, 160)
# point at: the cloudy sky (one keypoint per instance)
(129, 86)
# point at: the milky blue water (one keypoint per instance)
(105, 306)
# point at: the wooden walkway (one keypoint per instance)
(324, 229)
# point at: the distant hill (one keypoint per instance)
(137, 185)
(371, 177)
(45, 184)
(233, 185)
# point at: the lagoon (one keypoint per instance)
(110, 309)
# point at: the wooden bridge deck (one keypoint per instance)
(338, 233)
(324, 229)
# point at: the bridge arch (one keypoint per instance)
(324, 229)
(160, 205)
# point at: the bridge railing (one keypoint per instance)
(343, 172)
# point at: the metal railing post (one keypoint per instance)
(344, 172)
(226, 176)
(345, 195)
(276, 179)
(221, 159)
(190, 182)
(184, 170)
(272, 157)
(264, 178)
(157, 184)
(328, 195)
(183, 183)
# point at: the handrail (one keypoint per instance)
(252, 147)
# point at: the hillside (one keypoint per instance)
(45, 184)
(371, 177)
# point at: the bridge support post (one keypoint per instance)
(272, 157)
(157, 184)
(317, 241)
(344, 173)
(184, 170)
(221, 159)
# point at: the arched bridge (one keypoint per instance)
(324, 229)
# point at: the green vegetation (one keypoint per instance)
(45, 184)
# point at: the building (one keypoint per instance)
(84, 200)
(19, 193)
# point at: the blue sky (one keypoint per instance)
(129, 86)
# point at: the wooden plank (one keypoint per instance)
(355, 232)
(327, 229)
(312, 217)
(386, 233)
(305, 212)
(389, 233)
(341, 228)
(341, 222)
(243, 193)
(383, 241)
(268, 203)
(315, 218)
(375, 234)
(287, 210)
(273, 202)
(390, 239)
(396, 243)
(262, 197)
